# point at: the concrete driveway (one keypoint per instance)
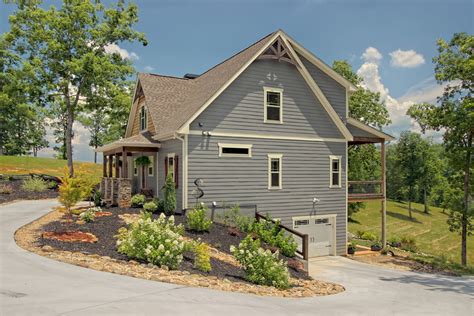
(33, 285)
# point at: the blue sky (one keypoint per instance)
(397, 37)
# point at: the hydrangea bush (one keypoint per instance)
(159, 241)
(150, 207)
(138, 200)
(261, 266)
(272, 234)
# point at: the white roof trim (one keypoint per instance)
(319, 94)
(321, 65)
(369, 129)
(118, 145)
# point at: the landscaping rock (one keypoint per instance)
(47, 248)
(295, 264)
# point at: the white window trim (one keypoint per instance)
(280, 184)
(143, 108)
(170, 155)
(152, 165)
(331, 159)
(246, 146)
(278, 90)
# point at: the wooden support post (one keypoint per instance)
(104, 165)
(109, 161)
(124, 164)
(384, 199)
(117, 160)
(305, 247)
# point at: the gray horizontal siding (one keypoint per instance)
(241, 106)
(305, 175)
(333, 90)
(171, 146)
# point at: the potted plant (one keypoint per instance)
(376, 246)
(351, 249)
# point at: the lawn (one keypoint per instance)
(24, 165)
(430, 230)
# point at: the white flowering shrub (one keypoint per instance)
(157, 241)
(261, 266)
(89, 214)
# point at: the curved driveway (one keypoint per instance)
(32, 285)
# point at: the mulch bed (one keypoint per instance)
(105, 228)
(74, 236)
(20, 194)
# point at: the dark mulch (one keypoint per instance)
(20, 194)
(105, 228)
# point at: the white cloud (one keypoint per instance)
(426, 91)
(406, 58)
(371, 55)
(125, 54)
(149, 68)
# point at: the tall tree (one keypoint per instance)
(431, 173)
(454, 114)
(365, 106)
(66, 49)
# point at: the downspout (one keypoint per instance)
(184, 140)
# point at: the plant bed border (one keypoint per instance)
(28, 235)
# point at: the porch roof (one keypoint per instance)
(141, 140)
(363, 133)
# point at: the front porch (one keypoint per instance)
(117, 183)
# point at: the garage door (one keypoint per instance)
(320, 230)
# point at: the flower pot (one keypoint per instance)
(375, 248)
(351, 251)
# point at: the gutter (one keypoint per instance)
(184, 140)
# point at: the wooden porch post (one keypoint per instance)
(117, 171)
(384, 198)
(109, 161)
(104, 166)
(124, 164)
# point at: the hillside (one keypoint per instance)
(431, 230)
(51, 166)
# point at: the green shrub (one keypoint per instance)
(160, 205)
(150, 207)
(202, 259)
(394, 241)
(260, 266)
(159, 242)
(87, 216)
(408, 244)
(197, 220)
(35, 185)
(272, 234)
(97, 198)
(138, 200)
(169, 193)
(359, 234)
(369, 236)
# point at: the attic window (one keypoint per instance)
(273, 105)
(143, 118)
(235, 150)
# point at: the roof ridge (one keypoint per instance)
(242, 50)
(166, 76)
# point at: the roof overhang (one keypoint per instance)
(377, 134)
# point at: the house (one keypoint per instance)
(268, 126)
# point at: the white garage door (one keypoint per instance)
(321, 232)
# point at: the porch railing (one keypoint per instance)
(365, 190)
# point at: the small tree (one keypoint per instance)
(70, 192)
(144, 162)
(169, 191)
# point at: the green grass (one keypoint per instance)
(14, 165)
(430, 230)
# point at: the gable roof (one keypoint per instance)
(175, 102)
(360, 130)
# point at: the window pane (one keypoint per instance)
(235, 151)
(335, 165)
(275, 179)
(273, 98)
(273, 113)
(150, 171)
(275, 165)
(335, 178)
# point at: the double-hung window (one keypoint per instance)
(273, 105)
(274, 171)
(170, 167)
(143, 118)
(335, 171)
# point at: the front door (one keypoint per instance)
(320, 231)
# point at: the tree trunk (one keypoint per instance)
(143, 178)
(70, 121)
(95, 154)
(464, 219)
(409, 204)
(425, 200)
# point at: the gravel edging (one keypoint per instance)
(27, 236)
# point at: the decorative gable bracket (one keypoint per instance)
(278, 51)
